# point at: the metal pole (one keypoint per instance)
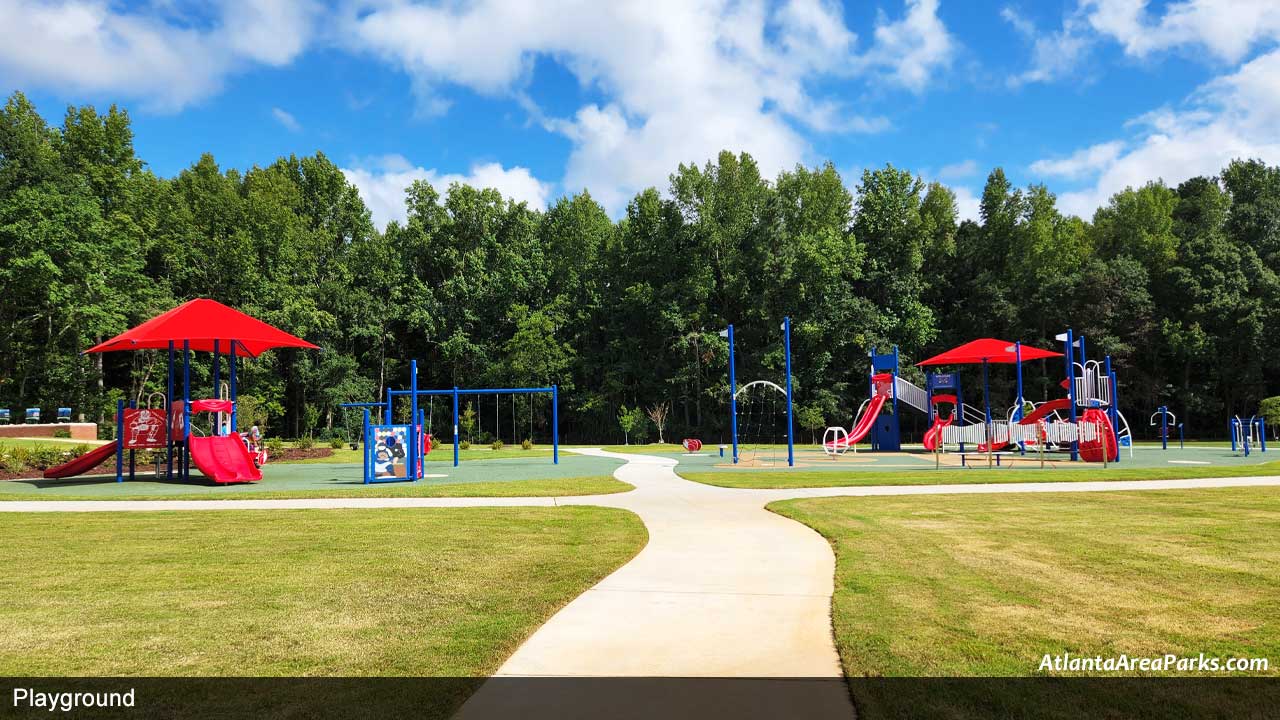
(455, 424)
(1071, 391)
(133, 458)
(368, 468)
(217, 376)
(186, 410)
(120, 440)
(791, 449)
(413, 420)
(1017, 356)
(555, 424)
(1164, 427)
(986, 401)
(733, 397)
(235, 392)
(168, 419)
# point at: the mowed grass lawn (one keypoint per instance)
(404, 592)
(987, 585)
(786, 479)
(541, 487)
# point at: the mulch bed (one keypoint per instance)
(296, 454)
(103, 468)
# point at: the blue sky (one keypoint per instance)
(542, 99)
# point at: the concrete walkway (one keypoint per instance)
(724, 589)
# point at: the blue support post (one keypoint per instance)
(368, 466)
(455, 424)
(120, 440)
(217, 377)
(1262, 433)
(414, 448)
(733, 397)
(555, 424)
(1017, 356)
(1164, 427)
(791, 446)
(186, 409)
(235, 394)
(168, 418)
(133, 455)
(1231, 426)
(893, 390)
(1071, 389)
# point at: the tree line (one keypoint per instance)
(1177, 284)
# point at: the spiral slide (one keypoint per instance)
(863, 425)
(82, 464)
(223, 459)
(934, 433)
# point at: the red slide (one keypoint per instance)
(223, 459)
(82, 464)
(1036, 415)
(864, 424)
(934, 433)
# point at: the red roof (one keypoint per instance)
(202, 322)
(990, 350)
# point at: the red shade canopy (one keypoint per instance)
(201, 323)
(989, 350)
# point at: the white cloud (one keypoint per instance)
(1053, 54)
(286, 119)
(382, 182)
(967, 203)
(1233, 116)
(1082, 163)
(912, 49)
(1226, 28)
(92, 45)
(679, 80)
(963, 169)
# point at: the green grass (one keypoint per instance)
(47, 441)
(785, 479)
(542, 487)
(987, 585)
(412, 592)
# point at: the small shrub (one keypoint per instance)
(465, 444)
(526, 444)
(62, 433)
(495, 445)
(275, 445)
(335, 442)
(306, 442)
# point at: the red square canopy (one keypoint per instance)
(202, 322)
(988, 350)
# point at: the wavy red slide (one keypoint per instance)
(864, 425)
(224, 459)
(1036, 415)
(82, 464)
(934, 433)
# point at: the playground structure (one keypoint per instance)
(757, 388)
(1087, 423)
(395, 452)
(222, 456)
(1248, 434)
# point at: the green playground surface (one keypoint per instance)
(498, 477)
(766, 467)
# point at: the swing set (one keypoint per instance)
(394, 452)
